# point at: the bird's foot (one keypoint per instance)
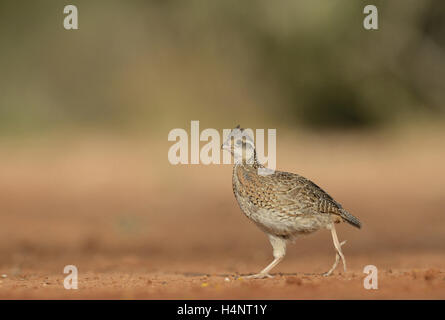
(260, 275)
(327, 274)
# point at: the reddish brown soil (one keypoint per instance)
(137, 227)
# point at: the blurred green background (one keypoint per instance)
(154, 65)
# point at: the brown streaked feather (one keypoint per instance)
(289, 194)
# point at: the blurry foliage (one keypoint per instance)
(336, 74)
(153, 63)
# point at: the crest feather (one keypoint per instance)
(239, 127)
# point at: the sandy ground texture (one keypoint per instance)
(138, 228)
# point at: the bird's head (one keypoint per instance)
(240, 144)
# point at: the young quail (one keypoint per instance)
(282, 204)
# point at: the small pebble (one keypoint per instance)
(227, 279)
(4, 275)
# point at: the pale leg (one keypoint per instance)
(338, 254)
(279, 251)
(337, 259)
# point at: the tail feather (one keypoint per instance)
(350, 219)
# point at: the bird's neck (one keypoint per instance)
(252, 162)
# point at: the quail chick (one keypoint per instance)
(284, 205)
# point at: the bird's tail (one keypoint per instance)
(350, 219)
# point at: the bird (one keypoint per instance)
(284, 205)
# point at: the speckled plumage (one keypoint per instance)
(285, 204)
(282, 204)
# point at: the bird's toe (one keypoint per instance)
(259, 276)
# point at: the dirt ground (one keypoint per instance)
(137, 227)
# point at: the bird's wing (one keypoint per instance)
(296, 195)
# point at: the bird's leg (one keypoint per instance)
(279, 251)
(338, 254)
(338, 247)
(337, 259)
